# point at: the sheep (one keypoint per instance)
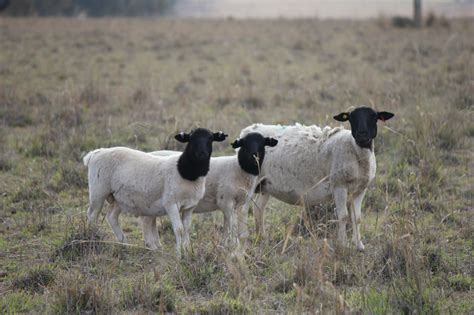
(230, 184)
(310, 165)
(143, 185)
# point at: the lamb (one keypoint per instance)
(143, 185)
(230, 184)
(310, 165)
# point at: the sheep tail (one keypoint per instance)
(88, 157)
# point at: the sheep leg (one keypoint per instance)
(187, 219)
(258, 212)
(340, 198)
(178, 229)
(156, 236)
(356, 215)
(230, 224)
(96, 204)
(112, 218)
(150, 234)
(242, 215)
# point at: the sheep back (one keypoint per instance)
(141, 184)
(309, 162)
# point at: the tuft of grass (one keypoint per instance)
(461, 282)
(81, 242)
(34, 280)
(32, 197)
(76, 294)
(464, 100)
(69, 175)
(18, 302)
(317, 221)
(44, 144)
(140, 97)
(198, 270)
(221, 305)
(68, 117)
(253, 102)
(372, 301)
(434, 261)
(394, 262)
(149, 294)
(409, 298)
(5, 163)
(15, 116)
(223, 101)
(91, 95)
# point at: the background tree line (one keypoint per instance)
(89, 7)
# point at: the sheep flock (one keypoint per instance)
(300, 165)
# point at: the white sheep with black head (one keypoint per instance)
(230, 185)
(135, 182)
(311, 165)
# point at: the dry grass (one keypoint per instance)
(69, 86)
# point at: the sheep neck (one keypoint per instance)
(369, 145)
(248, 164)
(191, 168)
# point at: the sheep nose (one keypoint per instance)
(201, 155)
(362, 135)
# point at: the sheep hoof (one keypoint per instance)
(360, 247)
(244, 235)
(151, 246)
(259, 237)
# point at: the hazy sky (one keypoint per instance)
(318, 8)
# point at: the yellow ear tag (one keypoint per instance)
(345, 116)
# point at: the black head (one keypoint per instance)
(194, 162)
(363, 122)
(200, 142)
(252, 151)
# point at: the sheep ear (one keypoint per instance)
(271, 142)
(236, 144)
(342, 117)
(383, 116)
(182, 137)
(219, 136)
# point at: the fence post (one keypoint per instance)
(417, 13)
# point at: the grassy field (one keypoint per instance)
(70, 86)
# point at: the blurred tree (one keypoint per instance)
(4, 4)
(90, 7)
(20, 7)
